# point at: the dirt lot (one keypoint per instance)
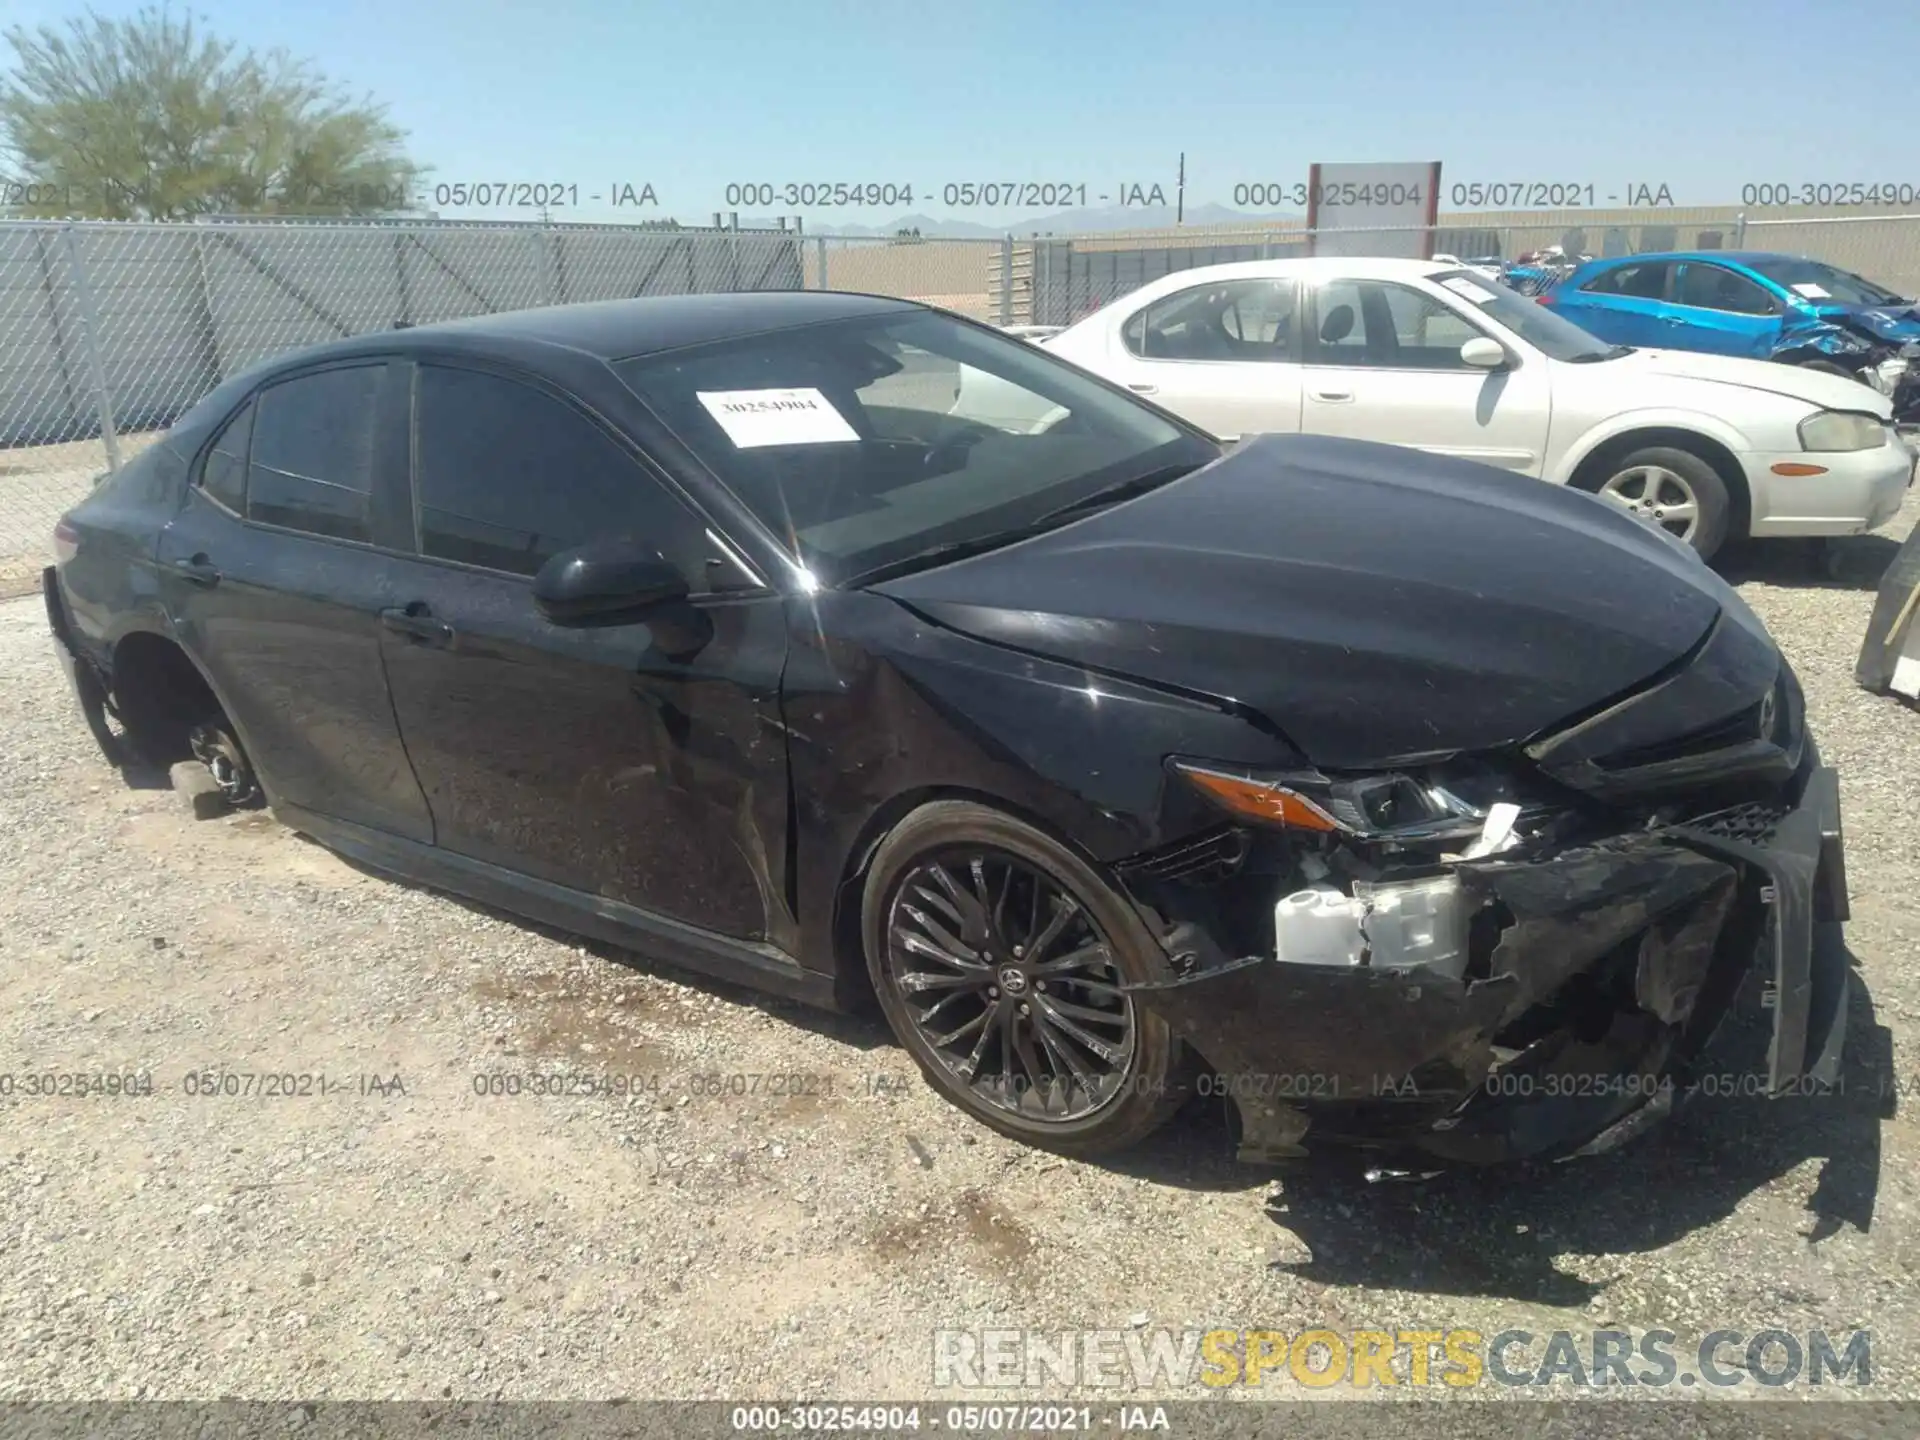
(406, 1236)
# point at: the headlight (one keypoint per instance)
(1842, 430)
(1367, 806)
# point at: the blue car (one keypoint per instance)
(1756, 304)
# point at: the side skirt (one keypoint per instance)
(672, 942)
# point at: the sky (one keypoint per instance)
(691, 96)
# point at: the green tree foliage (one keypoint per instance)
(147, 118)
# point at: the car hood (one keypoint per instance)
(1895, 324)
(1811, 387)
(1374, 603)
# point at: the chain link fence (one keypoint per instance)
(109, 332)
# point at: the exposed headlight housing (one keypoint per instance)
(1832, 430)
(1371, 807)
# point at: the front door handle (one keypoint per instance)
(198, 571)
(1333, 397)
(1142, 387)
(417, 621)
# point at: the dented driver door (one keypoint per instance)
(637, 759)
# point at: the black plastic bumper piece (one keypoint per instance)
(1673, 919)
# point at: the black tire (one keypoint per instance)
(1158, 1068)
(116, 744)
(1713, 505)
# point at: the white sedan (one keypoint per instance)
(1434, 356)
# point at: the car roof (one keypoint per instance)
(1737, 257)
(617, 329)
(1354, 267)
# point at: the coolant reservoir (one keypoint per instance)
(1419, 923)
(1318, 926)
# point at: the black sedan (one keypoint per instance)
(1409, 802)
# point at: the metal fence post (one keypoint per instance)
(405, 317)
(820, 254)
(543, 257)
(1740, 231)
(216, 372)
(96, 372)
(1006, 279)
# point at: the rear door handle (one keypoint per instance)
(1333, 397)
(417, 621)
(1142, 387)
(199, 571)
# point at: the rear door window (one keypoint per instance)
(1646, 280)
(310, 467)
(1231, 320)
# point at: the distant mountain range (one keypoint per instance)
(1065, 222)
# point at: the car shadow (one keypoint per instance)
(860, 1030)
(137, 775)
(1468, 1232)
(1498, 1233)
(1838, 562)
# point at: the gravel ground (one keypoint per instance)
(412, 1238)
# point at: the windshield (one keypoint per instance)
(1555, 336)
(1811, 280)
(864, 443)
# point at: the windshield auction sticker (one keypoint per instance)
(753, 418)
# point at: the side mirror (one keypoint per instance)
(605, 578)
(1483, 352)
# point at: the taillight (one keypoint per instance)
(66, 542)
(1542, 298)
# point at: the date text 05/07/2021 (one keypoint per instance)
(954, 194)
(1461, 194)
(1013, 1418)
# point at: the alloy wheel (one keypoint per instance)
(1010, 984)
(1658, 496)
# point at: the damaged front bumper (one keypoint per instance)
(1616, 963)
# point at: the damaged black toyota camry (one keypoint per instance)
(848, 648)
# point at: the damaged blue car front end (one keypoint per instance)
(1879, 345)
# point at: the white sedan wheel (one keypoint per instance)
(1658, 496)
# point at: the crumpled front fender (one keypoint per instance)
(1828, 338)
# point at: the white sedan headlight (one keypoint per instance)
(1842, 430)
